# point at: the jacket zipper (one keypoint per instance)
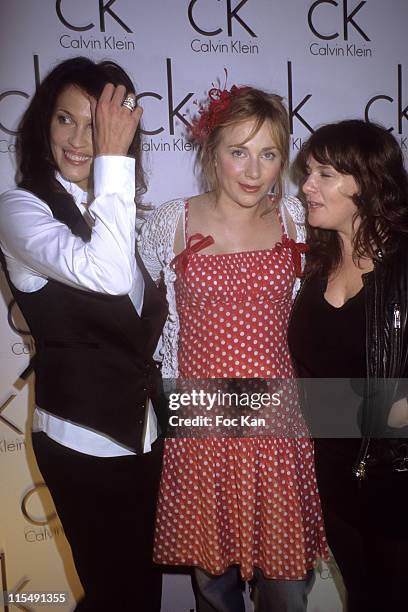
(396, 327)
(359, 469)
(397, 317)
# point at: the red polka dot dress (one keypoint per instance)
(246, 501)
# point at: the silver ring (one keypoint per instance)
(129, 103)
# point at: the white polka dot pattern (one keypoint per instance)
(245, 501)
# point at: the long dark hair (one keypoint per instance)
(36, 166)
(371, 154)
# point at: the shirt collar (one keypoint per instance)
(77, 193)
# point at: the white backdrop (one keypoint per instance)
(330, 59)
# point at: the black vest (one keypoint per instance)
(94, 354)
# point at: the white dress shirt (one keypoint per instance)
(36, 246)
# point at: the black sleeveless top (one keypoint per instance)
(328, 345)
(325, 341)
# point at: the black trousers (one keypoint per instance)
(366, 527)
(107, 509)
(374, 566)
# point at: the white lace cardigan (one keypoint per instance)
(155, 244)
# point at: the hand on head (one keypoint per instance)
(114, 124)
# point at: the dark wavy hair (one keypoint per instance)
(371, 154)
(36, 165)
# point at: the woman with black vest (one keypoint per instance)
(68, 243)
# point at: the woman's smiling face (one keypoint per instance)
(71, 136)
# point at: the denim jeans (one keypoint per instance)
(225, 593)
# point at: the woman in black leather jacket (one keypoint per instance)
(349, 327)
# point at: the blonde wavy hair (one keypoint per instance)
(248, 103)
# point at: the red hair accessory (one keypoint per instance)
(211, 115)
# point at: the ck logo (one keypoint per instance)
(402, 112)
(15, 319)
(28, 512)
(294, 111)
(174, 109)
(340, 14)
(102, 9)
(17, 589)
(4, 96)
(19, 94)
(13, 314)
(232, 16)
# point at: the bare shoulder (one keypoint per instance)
(198, 206)
(198, 201)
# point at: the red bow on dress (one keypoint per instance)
(297, 250)
(180, 262)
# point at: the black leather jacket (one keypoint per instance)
(386, 303)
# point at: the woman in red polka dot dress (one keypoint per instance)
(236, 508)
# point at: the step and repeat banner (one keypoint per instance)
(329, 59)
